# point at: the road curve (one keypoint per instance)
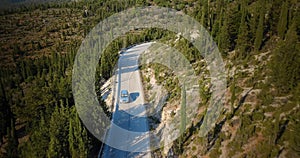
(128, 134)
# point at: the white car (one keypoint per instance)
(124, 96)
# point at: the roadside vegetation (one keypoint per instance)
(259, 42)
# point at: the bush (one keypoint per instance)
(257, 116)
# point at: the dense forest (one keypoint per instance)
(39, 43)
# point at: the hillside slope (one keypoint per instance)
(259, 42)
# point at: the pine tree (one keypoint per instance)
(260, 28)
(77, 136)
(39, 139)
(223, 36)
(218, 22)
(58, 145)
(243, 39)
(285, 63)
(204, 14)
(72, 142)
(282, 25)
(12, 147)
(230, 26)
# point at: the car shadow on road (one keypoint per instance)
(134, 96)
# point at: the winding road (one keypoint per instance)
(128, 134)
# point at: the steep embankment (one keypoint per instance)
(256, 120)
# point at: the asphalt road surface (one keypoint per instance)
(128, 134)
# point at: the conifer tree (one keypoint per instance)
(72, 144)
(58, 145)
(39, 139)
(285, 63)
(223, 36)
(243, 39)
(260, 28)
(204, 14)
(282, 24)
(12, 141)
(77, 136)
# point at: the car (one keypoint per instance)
(124, 96)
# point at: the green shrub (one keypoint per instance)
(257, 116)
